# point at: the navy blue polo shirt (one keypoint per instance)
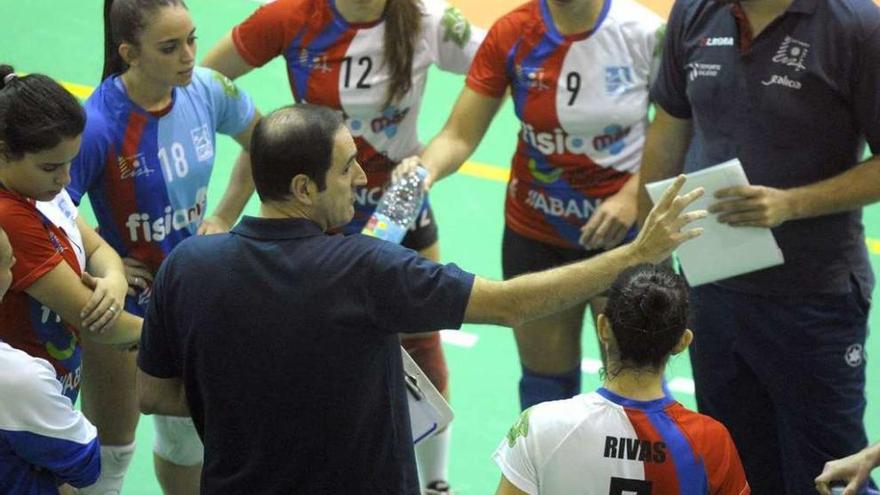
(286, 341)
(795, 105)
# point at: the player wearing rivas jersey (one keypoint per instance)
(368, 59)
(578, 72)
(628, 437)
(147, 157)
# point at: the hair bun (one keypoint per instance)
(655, 301)
(5, 71)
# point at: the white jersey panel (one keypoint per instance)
(39, 407)
(558, 447)
(364, 78)
(604, 83)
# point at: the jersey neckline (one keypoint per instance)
(648, 406)
(558, 37)
(119, 86)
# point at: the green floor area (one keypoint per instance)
(64, 40)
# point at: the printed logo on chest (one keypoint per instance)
(618, 79)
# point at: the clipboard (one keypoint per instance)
(428, 410)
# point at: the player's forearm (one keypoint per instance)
(446, 153)
(125, 334)
(848, 191)
(238, 192)
(104, 262)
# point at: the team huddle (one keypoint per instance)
(234, 333)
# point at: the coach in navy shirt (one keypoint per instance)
(792, 89)
(281, 341)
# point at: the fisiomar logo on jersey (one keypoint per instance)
(618, 79)
(387, 123)
(557, 142)
(613, 140)
(143, 227)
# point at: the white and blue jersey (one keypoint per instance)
(44, 441)
(147, 173)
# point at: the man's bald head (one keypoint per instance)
(296, 139)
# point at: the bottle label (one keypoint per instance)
(384, 228)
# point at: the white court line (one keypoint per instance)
(683, 385)
(680, 385)
(592, 366)
(459, 338)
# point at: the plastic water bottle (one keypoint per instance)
(398, 208)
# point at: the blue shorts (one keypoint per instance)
(786, 375)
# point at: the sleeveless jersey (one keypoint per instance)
(42, 234)
(147, 176)
(604, 444)
(583, 104)
(341, 65)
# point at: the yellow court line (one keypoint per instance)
(81, 91)
(474, 169)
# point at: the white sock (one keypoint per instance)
(114, 464)
(432, 455)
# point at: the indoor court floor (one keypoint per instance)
(64, 39)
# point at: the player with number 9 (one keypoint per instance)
(579, 73)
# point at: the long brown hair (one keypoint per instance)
(124, 20)
(403, 25)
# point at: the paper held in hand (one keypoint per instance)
(721, 251)
(428, 410)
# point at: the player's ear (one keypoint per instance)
(686, 338)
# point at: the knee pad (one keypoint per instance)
(114, 464)
(427, 352)
(177, 441)
(535, 388)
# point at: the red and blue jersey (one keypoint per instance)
(146, 174)
(341, 65)
(42, 235)
(602, 443)
(583, 104)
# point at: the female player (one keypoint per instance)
(629, 436)
(147, 156)
(579, 73)
(369, 59)
(67, 286)
(40, 428)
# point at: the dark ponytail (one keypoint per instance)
(36, 113)
(647, 310)
(403, 25)
(124, 21)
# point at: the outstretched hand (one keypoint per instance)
(662, 232)
(852, 470)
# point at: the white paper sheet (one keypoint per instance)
(428, 410)
(722, 251)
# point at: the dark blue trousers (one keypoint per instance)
(786, 375)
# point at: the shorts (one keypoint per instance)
(521, 254)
